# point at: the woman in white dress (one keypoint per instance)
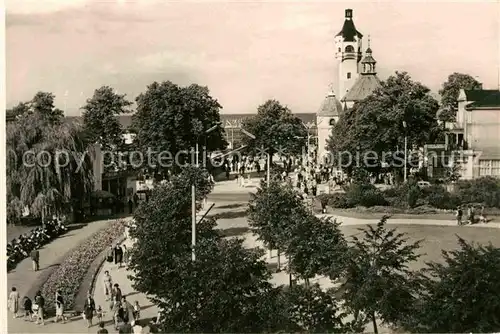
(14, 301)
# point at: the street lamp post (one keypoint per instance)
(268, 176)
(406, 150)
(193, 197)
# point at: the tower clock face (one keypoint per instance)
(332, 122)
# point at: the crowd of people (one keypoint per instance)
(470, 217)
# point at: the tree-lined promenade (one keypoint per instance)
(228, 286)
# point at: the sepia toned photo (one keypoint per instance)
(252, 166)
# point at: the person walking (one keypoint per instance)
(118, 315)
(130, 205)
(117, 294)
(128, 311)
(35, 258)
(28, 309)
(59, 307)
(108, 285)
(471, 215)
(40, 308)
(88, 309)
(125, 255)
(459, 214)
(14, 301)
(118, 256)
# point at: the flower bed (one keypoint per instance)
(20, 248)
(71, 272)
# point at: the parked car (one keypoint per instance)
(423, 184)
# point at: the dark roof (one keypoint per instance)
(368, 59)
(349, 31)
(487, 100)
(474, 95)
(331, 106)
(227, 119)
(365, 84)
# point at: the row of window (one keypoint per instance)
(489, 168)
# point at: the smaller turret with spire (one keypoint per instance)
(368, 63)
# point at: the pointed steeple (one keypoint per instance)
(331, 106)
(368, 63)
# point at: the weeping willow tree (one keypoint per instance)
(49, 165)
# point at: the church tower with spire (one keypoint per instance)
(348, 45)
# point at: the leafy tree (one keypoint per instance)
(460, 295)
(163, 231)
(316, 246)
(43, 104)
(12, 114)
(375, 124)
(48, 165)
(198, 304)
(189, 293)
(413, 195)
(172, 119)
(100, 117)
(275, 128)
(451, 90)
(272, 211)
(378, 281)
(313, 310)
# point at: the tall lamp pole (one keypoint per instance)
(268, 176)
(406, 150)
(193, 197)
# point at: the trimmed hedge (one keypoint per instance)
(71, 272)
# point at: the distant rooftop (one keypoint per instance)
(488, 98)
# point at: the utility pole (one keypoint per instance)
(406, 150)
(193, 198)
(193, 222)
(268, 181)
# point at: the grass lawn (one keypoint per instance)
(437, 238)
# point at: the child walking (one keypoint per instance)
(137, 311)
(99, 314)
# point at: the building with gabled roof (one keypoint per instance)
(475, 134)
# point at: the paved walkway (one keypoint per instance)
(349, 221)
(120, 276)
(23, 277)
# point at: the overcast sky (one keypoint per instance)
(245, 52)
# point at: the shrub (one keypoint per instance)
(337, 200)
(437, 196)
(484, 190)
(364, 194)
(413, 196)
(69, 275)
